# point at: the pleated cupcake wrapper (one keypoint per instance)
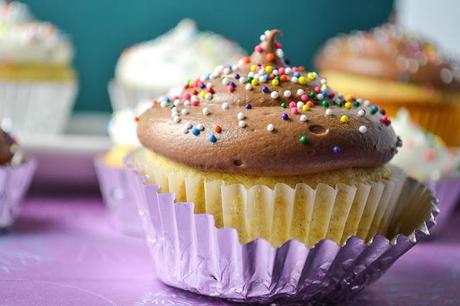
(447, 190)
(191, 253)
(123, 97)
(37, 107)
(119, 198)
(14, 182)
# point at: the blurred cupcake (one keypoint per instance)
(287, 188)
(425, 157)
(15, 176)
(111, 175)
(152, 68)
(397, 69)
(37, 82)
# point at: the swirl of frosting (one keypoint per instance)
(423, 155)
(261, 117)
(178, 55)
(388, 52)
(25, 40)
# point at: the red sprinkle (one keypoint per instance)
(385, 120)
(259, 49)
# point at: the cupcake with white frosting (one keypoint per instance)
(150, 69)
(37, 81)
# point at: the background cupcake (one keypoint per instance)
(152, 68)
(15, 176)
(275, 163)
(425, 157)
(111, 175)
(397, 69)
(37, 83)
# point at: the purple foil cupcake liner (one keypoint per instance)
(14, 182)
(119, 198)
(190, 253)
(447, 190)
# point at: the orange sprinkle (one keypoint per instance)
(246, 60)
(217, 128)
(283, 77)
(270, 57)
(310, 104)
(137, 118)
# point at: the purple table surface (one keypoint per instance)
(64, 251)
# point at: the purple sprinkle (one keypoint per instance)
(285, 116)
(237, 76)
(203, 86)
(336, 150)
(232, 84)
(248, 106)
(265, 89)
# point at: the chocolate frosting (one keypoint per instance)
(388, 52)
(227, 122)
(7, 144)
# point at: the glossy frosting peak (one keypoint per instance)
(261, 117)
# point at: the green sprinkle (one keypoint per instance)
(311, 95)
(356, 104)
(283, 105)
(303, 139)
(325, 103)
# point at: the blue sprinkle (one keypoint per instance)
(248, 106)
(296, 74)
(265, 89)
(195, 131)
(336, 150)
(285, 116)
(374, 109)
(237, 76)
(203, 86)
(212, 138)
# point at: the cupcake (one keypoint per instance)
(263, 184)
(111, 175)
(397, 69)
(15, 176)
(37, 83)
(152, 68)
(425, 157)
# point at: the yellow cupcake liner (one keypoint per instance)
(304, 213)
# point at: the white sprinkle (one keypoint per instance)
(176, 119)
(274, 95)
(242, 80)
(323, 81)
(294, 79)
(303, 118)
(209, 85)
(367, 103)
(164, 103)
(208, 96)
(267, 32)
(363, 129)
(200, 127)
(270, 127)
(194, 99)
(227, 70)
(187, 103)
(185, 130)
(300, 105)
(279, 53)
(177, 102)
(225, 106)
(288, 70)
(262, 37)
(361, 112)
(251, 74)
(206, 111)
(242, 124)
(287, 93)
(174, 112)
(320, 96)
(328, 112)
(188, 125)
(300, 92)
(248, 86)
(263, 79)
(240, 116)
(225, 81)
(202, 78)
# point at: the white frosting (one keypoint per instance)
(122, 126)
(423, 155)
(25, 40)
(181, 54)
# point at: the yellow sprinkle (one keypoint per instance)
(254, 82)
(323, 87)
(311, 76)
(202, 94)
(348, 105)
(302, 80)
(253, 68)
(305, 108)
(344, 118)
(269, 69)
(275, 82)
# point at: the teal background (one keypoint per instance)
(101, 29)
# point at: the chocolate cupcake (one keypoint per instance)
(397, 69)
(275, 163)
(15, 176)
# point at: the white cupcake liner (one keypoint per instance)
(119, 198)
(191, 253)
(36, 107)
(14, 182)
(122, 97)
